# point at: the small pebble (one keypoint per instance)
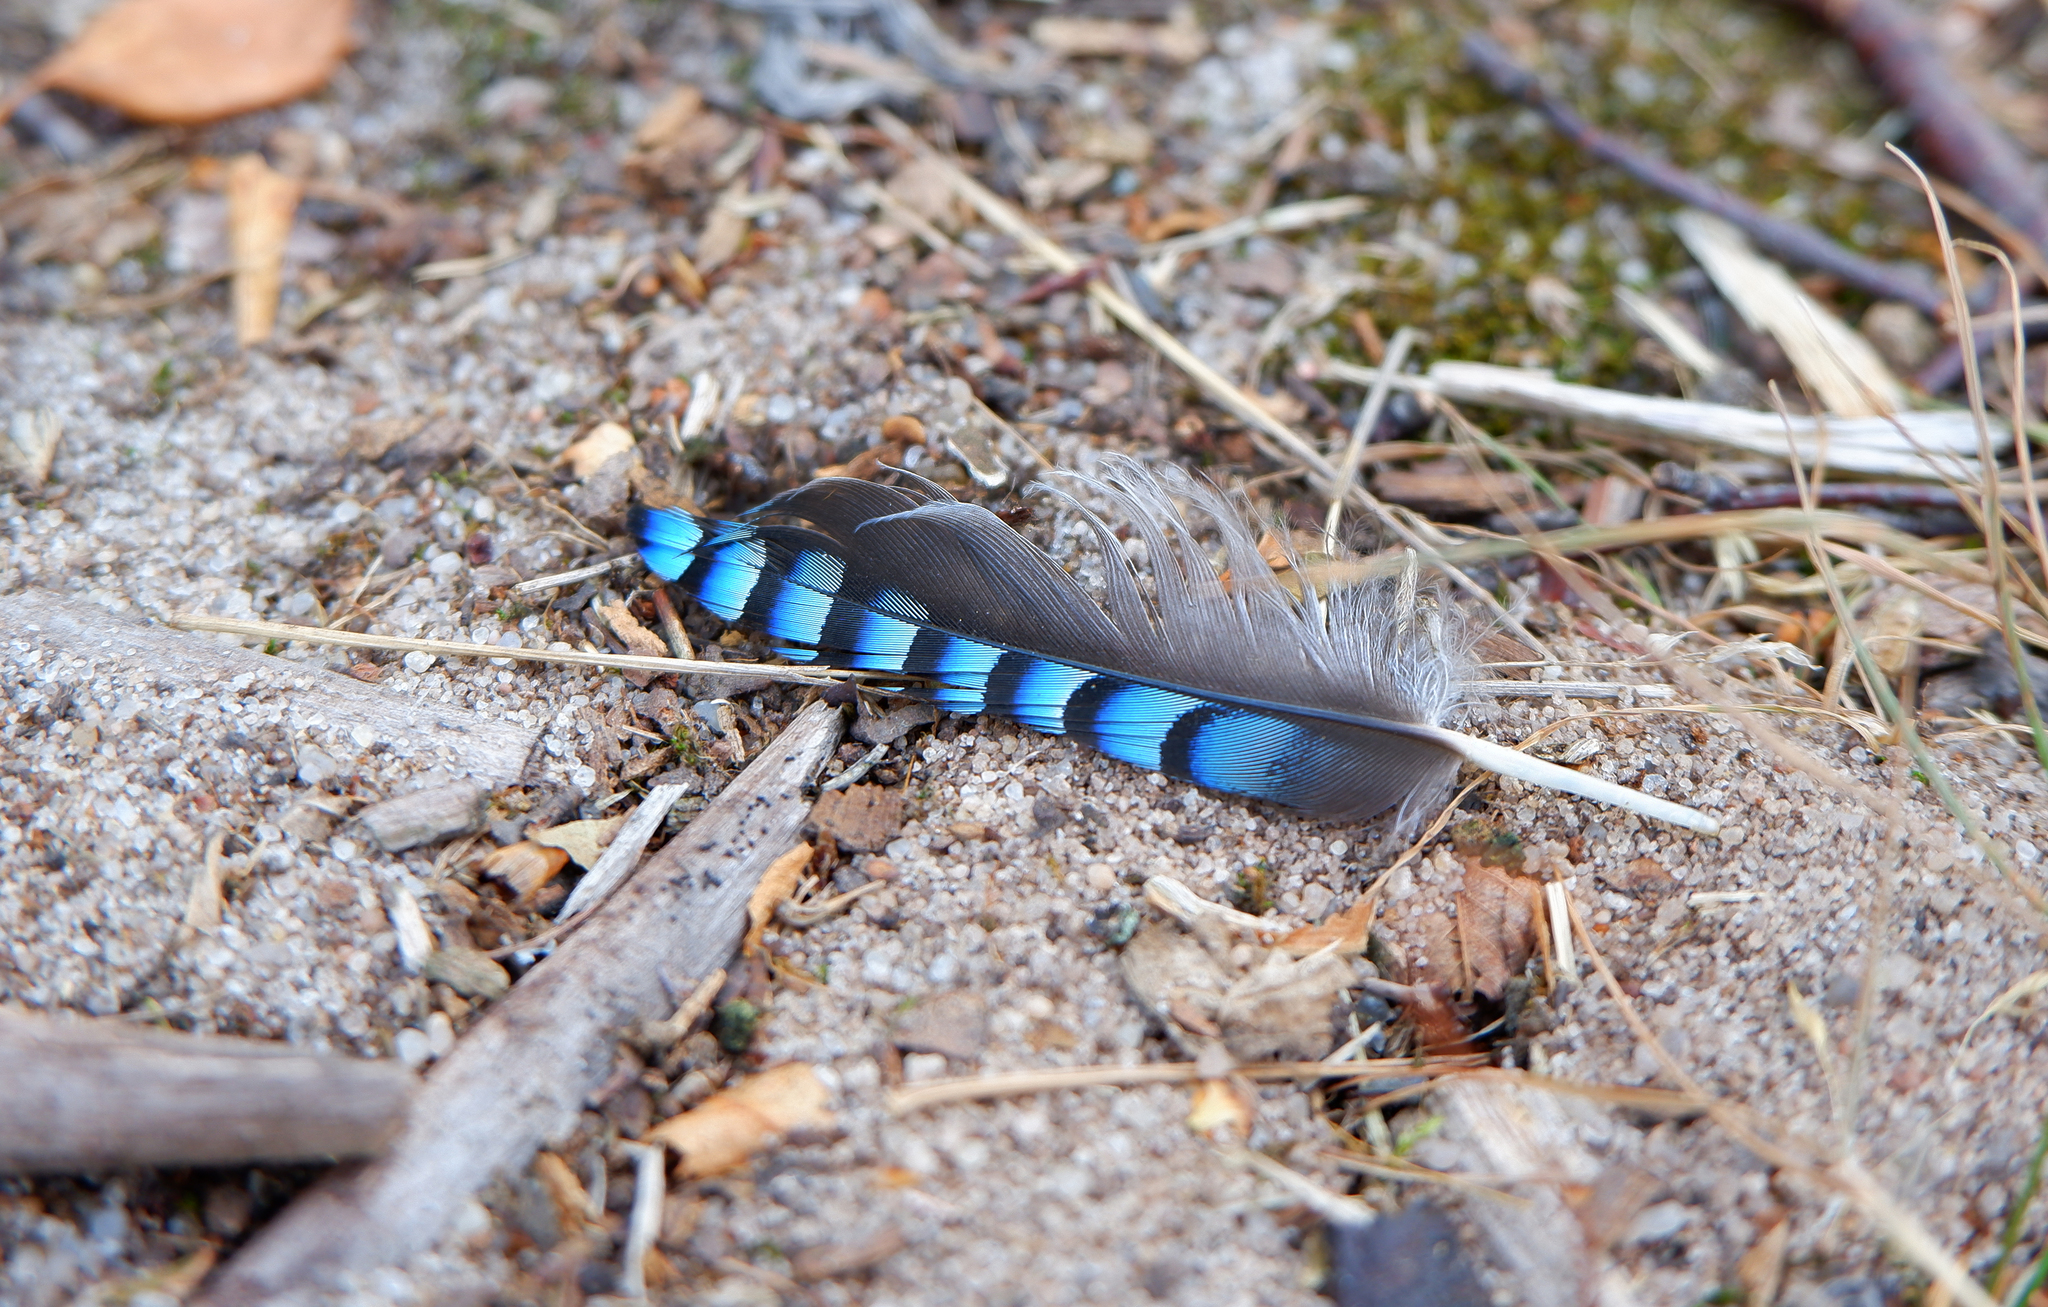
(413, 1047)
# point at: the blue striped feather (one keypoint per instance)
(1246, 688)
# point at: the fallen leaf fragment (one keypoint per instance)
(525, 867)
(640, 641)
(583, 841)
(194, 61)
(261, 203)
(665, 122)
(605, 441)
(861, 818)
(1219, 1109)
(777, 883)
(732, 1125)
(1350, 930)
(1496, 925)
(30, 447)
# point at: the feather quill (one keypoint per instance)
(1333, 705)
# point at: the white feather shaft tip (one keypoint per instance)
(1503, 761)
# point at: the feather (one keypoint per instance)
(1332, 705)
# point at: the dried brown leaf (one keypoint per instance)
(664, 124)
(1350, 930)
(583, 841)
(1497, 915)
(731, 1126)
(194, 61)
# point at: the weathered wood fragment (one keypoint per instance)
(79, 1096)
(521, 1076)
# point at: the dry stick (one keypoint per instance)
(1847, 1177)
(1907, 59)
(522, 1074)
(78, 1096)
(1791, 240)
(1015, 1084)
(1361, 431)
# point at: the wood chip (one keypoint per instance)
(524, 867)
(1180, 40)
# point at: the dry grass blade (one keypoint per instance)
(461, 649)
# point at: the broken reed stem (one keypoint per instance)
(1361, 431)
(464, 649)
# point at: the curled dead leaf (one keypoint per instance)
(732, 1125)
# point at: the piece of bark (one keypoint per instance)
(431, 734)
(523, 1074)
(425, 816)
(78, 1096)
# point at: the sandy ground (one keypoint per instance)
(230, 493)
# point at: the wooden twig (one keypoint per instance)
(464, 741)
(80, 1096)
(1960, 139)
(1789, 240)
(523, 1074)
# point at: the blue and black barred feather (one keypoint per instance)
(1330, 705)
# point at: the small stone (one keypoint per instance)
(316, 765)
(440, 1034)
(418, 661)
(413, 1048)
(1659, 1222)
(1901, 334)
(780, 408)
(924, 1066)
(468, 972)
